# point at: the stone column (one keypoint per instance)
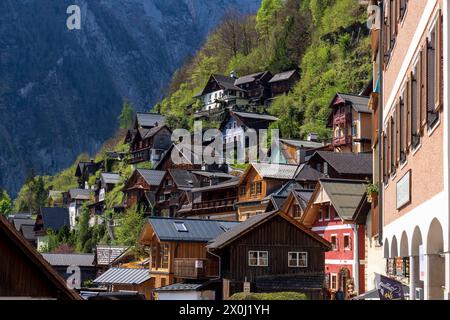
(412, 277)
(447, 276)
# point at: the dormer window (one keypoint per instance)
(180, 226)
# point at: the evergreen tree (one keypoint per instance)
(126, 116)
(5, 203)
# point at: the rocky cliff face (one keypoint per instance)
(61, 91)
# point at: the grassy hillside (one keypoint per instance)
(327, 40)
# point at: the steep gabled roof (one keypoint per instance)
(110, 178)
(152, 177)
(80, 194)
(275, 171)
(46, 271)
(55, 218)
(302, 143)
(250, 78)
(148, 120)
(303, 197)
(348, 163)
(359, 103)
(308, 173)
(184, 178)
(197, 230)
(105, 254)
(251, 223)
(282, 76)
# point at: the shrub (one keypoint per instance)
(269, 296)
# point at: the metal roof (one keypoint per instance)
(110, 178)
(181, 287)
(152, 177)
(223, 185)
(302, 143)
(345, 195)
(308, 173)
(107, 254)
(197, 230)
(282, 76)
(123, 276)
(69, 259)
(258, 116)
(146, 120)
(18, 222)
(275, 171)
(359, 103)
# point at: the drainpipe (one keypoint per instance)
(380, 128)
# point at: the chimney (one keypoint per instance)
(312, 137)
(233, 74)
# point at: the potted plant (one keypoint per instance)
(372, 191)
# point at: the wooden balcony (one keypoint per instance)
(342, 118)
(192, 268)
(226, 204)
(342, 141)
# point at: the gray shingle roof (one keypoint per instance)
(80, 194)
(55, 218)
(345, 195)
(359, 103)
(348, 163)
(249, 78)
(107, 254)
(152, 177)
(147, 120)
(198, 230)
(308, 173)
(282, 76)
(184, 178)
(257, 116)
(223, 185)
(181, 287)
(275, 171)
(28, 231)
(18, 222)
(110, 178)
(226, 83)
(123, 276)
(302, 143)
(303, 196)
(69, 259)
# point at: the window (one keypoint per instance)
(392, 144)
(256, 188)
(297, 211)
(347, 243)
(297, 259)
(333, 282)
(432, 113)
(321, 214)
(402, 119)
(180, 226)
(168, 183)
(327, 213)
(253, 189)
(354, 129)
(334, 244)
(243, 191)
(415, 98)
(154, 255)
(258, 258)
(164, 256)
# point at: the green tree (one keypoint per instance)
(267, 13)
(84, 233)
(130, 227)
(5, 203)
(126, 116)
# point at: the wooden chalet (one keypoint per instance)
(258, 182)
(296, 203)
(256, 86)
(139, 185)
(282, 83)
(211, 202)
(50, 219)
(66, 263)
(178, 249)
(170, 190)
(149, 145)
(24, 273)
(351, 123)
(295, 151)
(84, 170)
(334, 213)
(144, 120)
(271, 252)
(340, 165)
(106, 183)
(127, 279)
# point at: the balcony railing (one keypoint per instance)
(342, 118)
(340, 141)
(192, 268)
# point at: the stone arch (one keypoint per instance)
(386, 249)
(436, 263)
(435, 238)
(404, 246)
(394, 247)
(416, 241)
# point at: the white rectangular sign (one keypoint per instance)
(404, 190)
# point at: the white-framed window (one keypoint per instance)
(347, 242)
(297, 259)
(333, 281)
(258, 258)
(327, 213)
(334, 242)
(321, 214)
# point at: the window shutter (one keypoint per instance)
(403, 125)
(438, 63)
(397, 133)
(384, 155)
(419, 94)
(393, 25)
(424, 82)
(387, 34)
(408, 101)
(388, 158)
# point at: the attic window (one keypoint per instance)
(180, 226)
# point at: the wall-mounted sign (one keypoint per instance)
(404, 190)
(101, 195)
(246, 287)
(422, 265)
(389, 289)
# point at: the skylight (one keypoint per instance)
(180, 226)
